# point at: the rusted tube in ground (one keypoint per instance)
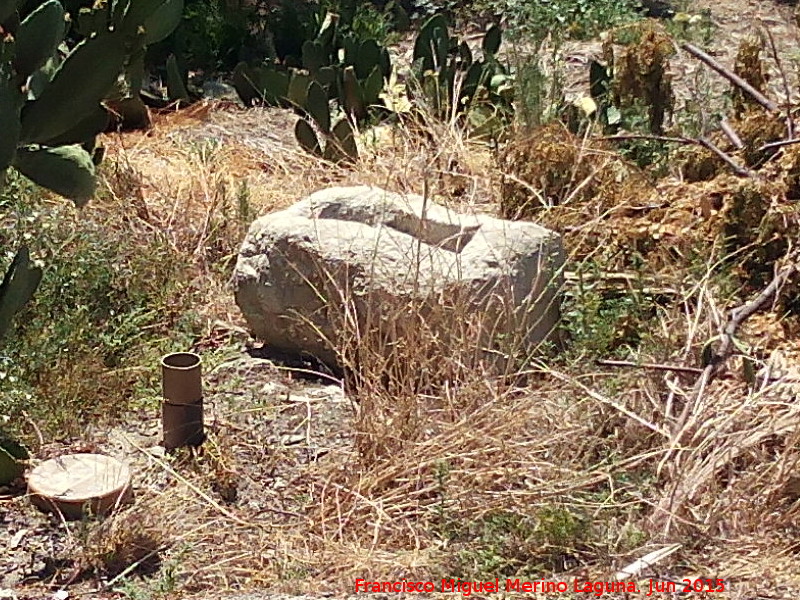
(182, 407)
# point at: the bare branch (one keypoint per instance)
(651, 366)
(644, 136)
(740, 171)
(731, 76)
(731, 134)
(784, 79)
(738, 316)
(701, 141)
(779, 144)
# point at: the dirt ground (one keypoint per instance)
(269, 422)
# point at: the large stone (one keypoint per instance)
(348, 255)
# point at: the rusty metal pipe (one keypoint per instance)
(182, 407)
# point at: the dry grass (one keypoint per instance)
(577, 466)
(556, 469)
(562, 470)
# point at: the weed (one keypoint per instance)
(551, 171)
(751, 69)
(645, 153)
(97, 313)
(443, 526)
(162, 583)
(128, 542)
(640, 72)
(505, 544)
(546, 168)
(600, 323)
(692, 27)
(217, 34)
(754, 236)
(580, 19)
(426, 8)
(363, 20)
(539, 86)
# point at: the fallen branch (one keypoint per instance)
(656, 138)
(614, 282)
(740, 171)
(739, 315)
(731, 76)
(679, 369)
(701, 141)
(727, 345)
(778, 144)
(784, 79)
(730, 132)
(619, 406)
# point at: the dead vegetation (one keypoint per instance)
(544, 472)
(558, 469)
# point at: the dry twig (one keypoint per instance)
(738, 316)
(779, 144)
(740, 171)
(731, 76)
(701, 141)
(651, 366)
(656, 138)
(731, 134)
(784, 80)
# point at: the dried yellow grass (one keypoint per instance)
(572, 437)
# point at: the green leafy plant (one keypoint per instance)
(632, 89)
(576, 19)
(50, 122)
(214, 35)
(510, 544)
(370, 20)
(602, 322)
(695, 27)
(104, 304)
(51, 110)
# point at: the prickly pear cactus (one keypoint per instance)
(348, 71)
(51, 100)
(51, 105)
(339, 143)
(339, 138)
(450, 81)
(19, 284)
(13, 456)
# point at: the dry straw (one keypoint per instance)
(438, 448)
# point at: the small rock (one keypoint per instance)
(218, 90)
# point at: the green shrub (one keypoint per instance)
(507, 544)
(110, 294)
(605, 322)
(578, 19)
(215, 35)
(363, 20)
